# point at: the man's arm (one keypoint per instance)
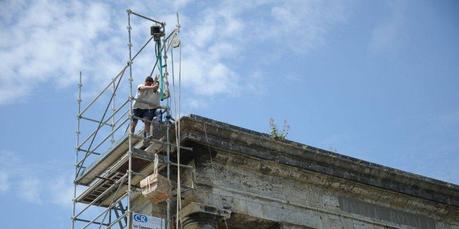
(143, 87)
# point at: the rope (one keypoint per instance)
(156, 62)
(177, 136)
(155, 164)
(173, 79)
(155, 171)
(226, 225)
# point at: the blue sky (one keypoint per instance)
(376, 80)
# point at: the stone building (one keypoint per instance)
(238, 178)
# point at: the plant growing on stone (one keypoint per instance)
(275, 132)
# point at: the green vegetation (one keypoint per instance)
(275, 132)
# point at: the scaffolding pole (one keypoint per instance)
(77, 132)
(98, 139)
(113, 112)
(128, 212)
(168, 170)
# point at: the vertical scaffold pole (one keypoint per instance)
(129, 214)
(112, 140)
(77, 132)
(165, 81)
(178, 139)
(168, 201)
(160, 67)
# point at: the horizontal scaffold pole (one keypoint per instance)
(144, 17)
(96, 121)
(87, 221)
(121, 73)
(109, 189)
(106, 121)
(105, 139)
(103, 212)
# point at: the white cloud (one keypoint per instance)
(66, 37)
(195, 103)
(224, 32)
(4, 182)
(62, 191)
(180, 3)
(302, 25)
(29, 189)
(51, 41)
(386, 34)
(35, 183)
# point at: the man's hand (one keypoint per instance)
(154, 87)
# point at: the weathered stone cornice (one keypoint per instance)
(235, 139)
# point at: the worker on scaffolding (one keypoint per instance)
(147, 100)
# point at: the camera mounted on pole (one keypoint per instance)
(157, 32)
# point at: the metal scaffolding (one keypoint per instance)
(105, 151)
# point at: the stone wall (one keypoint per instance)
(244, 179)
(269, 195)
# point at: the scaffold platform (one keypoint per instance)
(105, 161)
(105, 175)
